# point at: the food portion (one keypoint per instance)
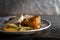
(27, 24)
(33, 22)
(15, 28)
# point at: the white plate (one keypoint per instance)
(44, 25)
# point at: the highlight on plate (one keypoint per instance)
(28, 23)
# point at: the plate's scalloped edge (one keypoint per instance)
(35, 29)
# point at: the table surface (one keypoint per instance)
(52, 32)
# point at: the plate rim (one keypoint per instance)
(31, 30)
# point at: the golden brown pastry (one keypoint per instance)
(33, 22)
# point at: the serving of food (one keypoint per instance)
(26, 23)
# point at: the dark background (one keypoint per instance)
(41, 7)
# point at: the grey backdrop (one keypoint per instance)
(41, 7)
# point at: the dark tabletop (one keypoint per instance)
(52, 32)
